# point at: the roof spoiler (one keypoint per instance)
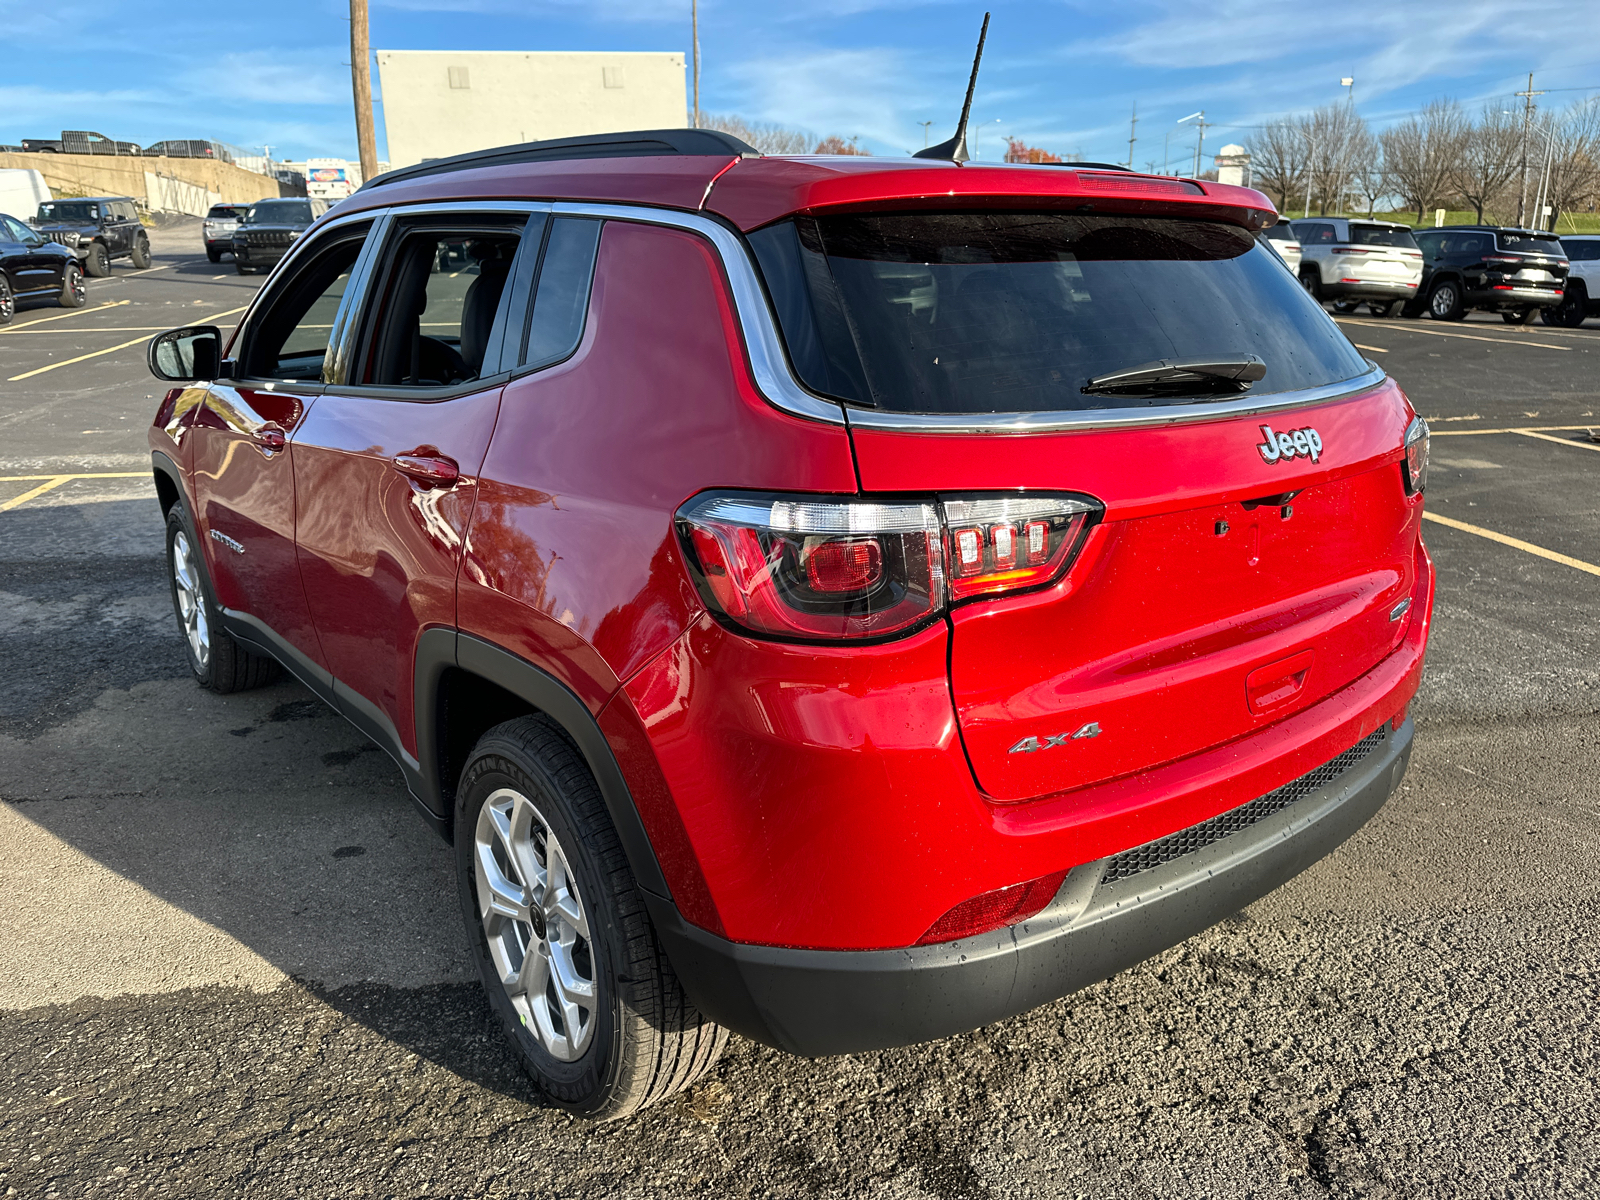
(633, 144)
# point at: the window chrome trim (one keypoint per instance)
(768, 362)
(1112, 418)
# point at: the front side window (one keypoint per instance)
(983, 312)
(289, 339)
(440, 302)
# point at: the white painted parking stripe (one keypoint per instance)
(1449, 333)
(1545, 437)
(67, 362)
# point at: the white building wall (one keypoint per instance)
(439, 103)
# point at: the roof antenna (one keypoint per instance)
(955, 150)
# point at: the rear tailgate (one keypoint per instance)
(1193, 616)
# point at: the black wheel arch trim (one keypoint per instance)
(557, 701)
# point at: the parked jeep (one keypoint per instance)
(269, 228)
(99, 230)
(1515, 272)
(1581, 297)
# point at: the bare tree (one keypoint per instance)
(1371, 178)
(1278, 154)
(1422, 153)
(1338, 137)
(1488, 159)
(1574, 173)
(765, 136)
(834, 144)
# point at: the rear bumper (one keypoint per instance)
(1517, 297)
(1369, 291)
(820, 1002)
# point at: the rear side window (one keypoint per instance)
(1581, 251)
(561, 292)
(1530, 243)
(1281, 232)
(1381, 235)
(1014, 312)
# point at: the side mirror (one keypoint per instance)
(186, 355)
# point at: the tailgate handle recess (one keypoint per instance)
(1276, 683)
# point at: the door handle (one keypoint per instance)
(427, 466)
(270, 437)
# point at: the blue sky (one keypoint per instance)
(1062, 74)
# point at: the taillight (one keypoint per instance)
(825, 568)
(1416, 463)
(798, 567)
(1006, 543)
(1352, 250)
(1003, 906)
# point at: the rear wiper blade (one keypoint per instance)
(1180, 376)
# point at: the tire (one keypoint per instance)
(242, 269)
(1571, 311)
(141, 253)
(98, 262)
(1523, 316)
(525, 789)
(218, 662)
(1346, 308)
(8, 301)
(1444, 302)
(1392, 308)
(214, 255)
(73, 293)
(1312, 282)
(1412, 308)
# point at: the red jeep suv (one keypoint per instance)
(846, 601)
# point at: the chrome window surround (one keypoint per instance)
(769, 363)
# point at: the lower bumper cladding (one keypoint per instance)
(1107, 916)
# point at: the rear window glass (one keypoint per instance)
(1014, 312)
(1530, 243)
(1581, 251)
(225, 212)
(1381, 235)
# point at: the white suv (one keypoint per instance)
(1354, 262)
(1281, 238)
(1582, 298)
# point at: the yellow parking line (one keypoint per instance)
(63, 477)
(1359, 346)
(1516, 543)
(1438, 433)
(71, 312)
(15, 501)
(1545, 437)
(67, 362)
(1471, 337)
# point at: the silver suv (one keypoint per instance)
(1354, 262)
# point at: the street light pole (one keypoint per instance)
(925, 125)
(978, 129)
(694, 23)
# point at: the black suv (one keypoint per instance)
(1514, 272)
(98, 229)
(267, 231)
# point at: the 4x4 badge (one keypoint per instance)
(1029, 744)
(1296, 443)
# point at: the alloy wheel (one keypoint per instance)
(8, 303)
(535, 924)
(1444, 300)
(80, 289)
(191, 603)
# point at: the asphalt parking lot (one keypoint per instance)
(231, 961)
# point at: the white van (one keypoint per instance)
(21, 192)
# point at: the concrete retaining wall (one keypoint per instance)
(187, 185)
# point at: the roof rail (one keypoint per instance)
(633, 144)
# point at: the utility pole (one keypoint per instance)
(1199, 141)
(694, 21)
(1527, 120)
(1133, 129)
(361, 78)
(925, 125)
